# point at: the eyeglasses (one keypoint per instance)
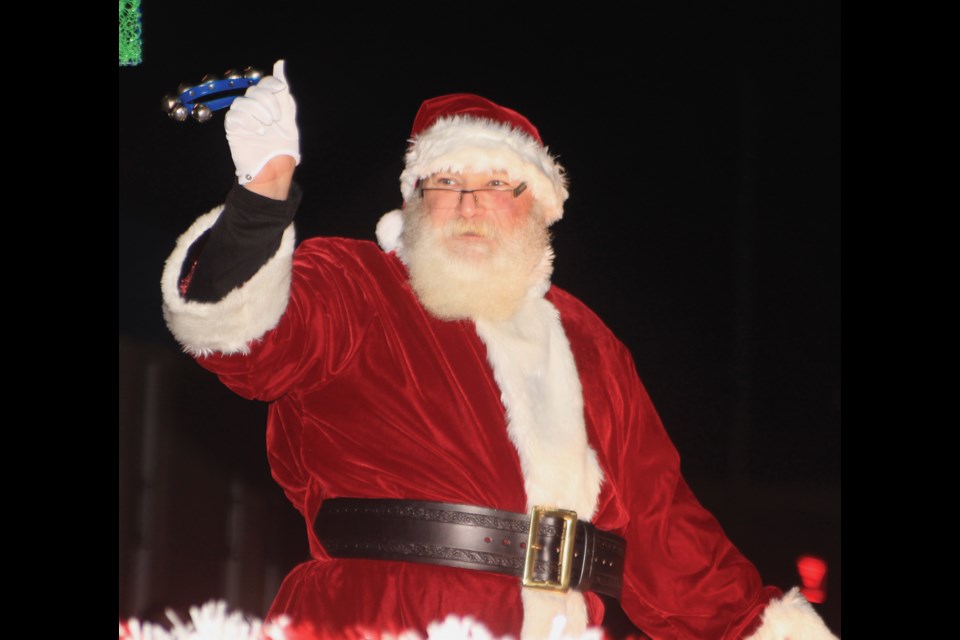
(486, 197)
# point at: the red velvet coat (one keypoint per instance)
(371, 396)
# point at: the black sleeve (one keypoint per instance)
(246, 235)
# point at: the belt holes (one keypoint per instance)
(488, 539)
(506, 542)
(523, 545)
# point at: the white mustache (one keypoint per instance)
(461, 227)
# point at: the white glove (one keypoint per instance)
(262, 124)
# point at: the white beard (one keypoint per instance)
(478, 281)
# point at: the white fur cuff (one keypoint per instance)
(794, 618)
(243, 315)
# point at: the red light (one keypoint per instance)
(812, 571)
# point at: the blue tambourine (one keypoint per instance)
(212, 94)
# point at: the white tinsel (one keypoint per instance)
(209, 622)
(213, 622)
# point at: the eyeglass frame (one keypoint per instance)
(517, 190)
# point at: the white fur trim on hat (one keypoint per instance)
(465, 143)
(793, 618)
(243, 315)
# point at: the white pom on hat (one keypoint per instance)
(389, 229)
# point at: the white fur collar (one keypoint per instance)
(540, 388)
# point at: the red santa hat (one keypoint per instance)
(465, 132)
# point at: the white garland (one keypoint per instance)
(212, 621)
(209, 622)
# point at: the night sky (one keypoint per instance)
(703, 152)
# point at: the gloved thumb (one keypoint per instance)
(278, 71)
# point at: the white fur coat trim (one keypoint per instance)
(793, 618)
(540, 388)
(466, 143)
(243, 315)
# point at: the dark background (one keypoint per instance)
(703, 151)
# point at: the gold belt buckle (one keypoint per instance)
(565, 563)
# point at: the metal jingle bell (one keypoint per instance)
(179, 112)
(233, 74)
(183, 86)
(168, 103)
(202, 113)
(252, 74)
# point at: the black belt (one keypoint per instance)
(469, 537)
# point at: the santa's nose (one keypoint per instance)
(469, 204)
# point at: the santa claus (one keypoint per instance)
(460, 435)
